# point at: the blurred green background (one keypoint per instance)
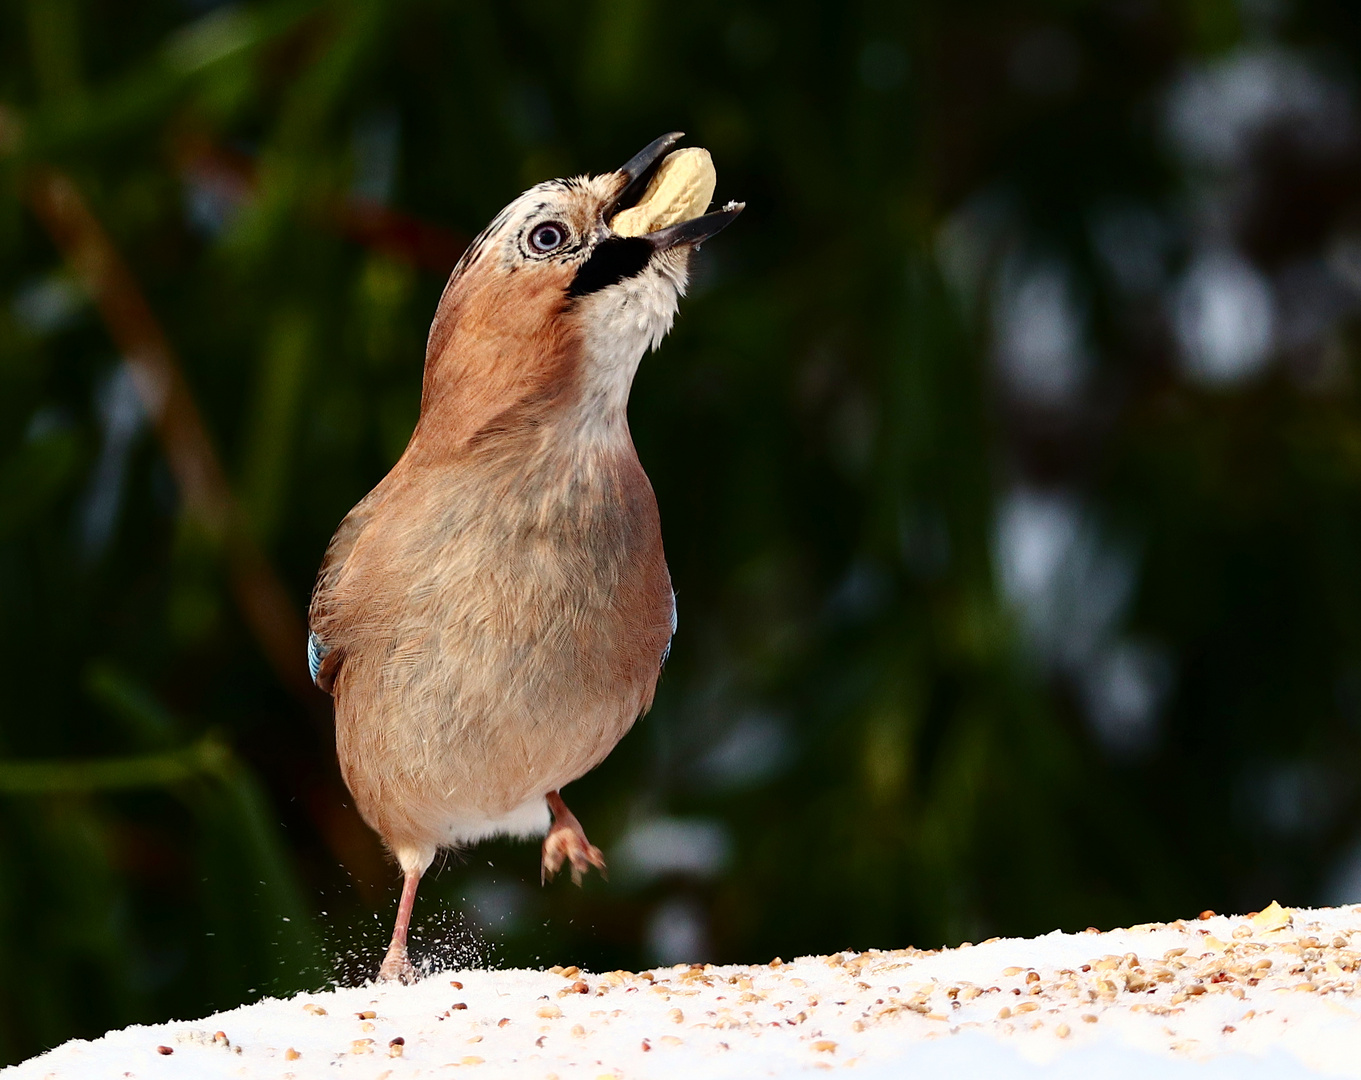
(1008, 452)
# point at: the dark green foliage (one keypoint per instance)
(892, 719)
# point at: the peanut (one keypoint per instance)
(681, 190)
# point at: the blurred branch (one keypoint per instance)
(208, 756)
(232, 176)
(260, 594)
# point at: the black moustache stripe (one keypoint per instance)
(611, 262)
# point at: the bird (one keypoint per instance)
(492, 618)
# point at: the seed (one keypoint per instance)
(646, 1046)
(365, 1026)
(1003, 1013)
(1088, 1018)
(315, 1010)
(164, 1050)
(1206, 914)
(459, 1005)
(1009, 971)
(291, 1055)
(548, 1012)
(472, 1059)
(367, 1014)
(1027, 1006)
(503, 1021)
(676, 1016)
(220, 1037)
(396, 1047)
(1063, 1031)
(680, 190)
(825, 1046)
(570, 972)
(456, 984)
(1032, 977)
(361, 1046)
(669, 1040)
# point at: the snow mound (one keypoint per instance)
(1269, 995)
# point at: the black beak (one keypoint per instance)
(639, 170)
(695, 231)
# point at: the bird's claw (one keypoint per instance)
(397, 967)
(565, 843)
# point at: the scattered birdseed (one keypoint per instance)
(1192, 988)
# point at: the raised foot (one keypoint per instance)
(397, 967)
(566, 842)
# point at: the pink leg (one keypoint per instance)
(396, 966)
(567, 840)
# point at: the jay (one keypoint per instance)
(492, 618)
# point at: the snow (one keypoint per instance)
(1270, 995)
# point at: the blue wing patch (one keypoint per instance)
(316, 653)
(667, 651)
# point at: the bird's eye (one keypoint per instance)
(548, 237)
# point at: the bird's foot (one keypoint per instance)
(566, 841)
(397, 967)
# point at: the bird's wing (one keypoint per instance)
(667, 651)
(324, 651)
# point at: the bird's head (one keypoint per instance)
(551, 309)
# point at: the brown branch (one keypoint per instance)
(260, 594)
(398, 235)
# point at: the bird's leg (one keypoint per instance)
(397, 965)
(567, 840)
